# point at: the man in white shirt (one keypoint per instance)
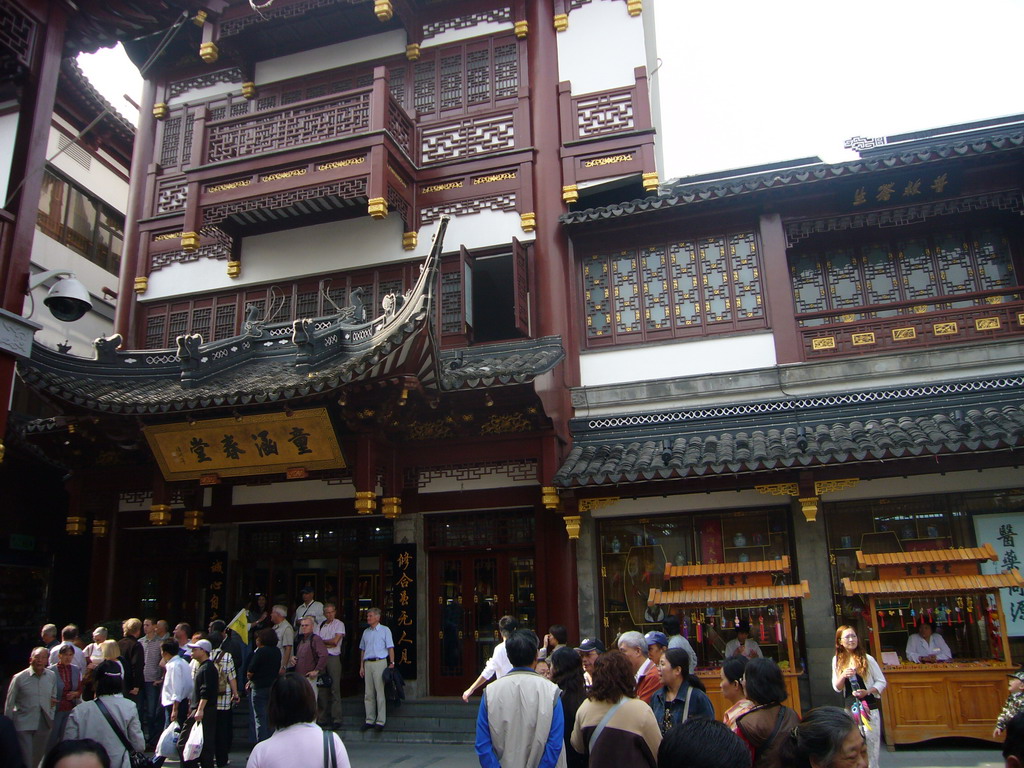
(743, 644)
(308, 607)
(176, 689)
(69, 636)
(332, 632)
(676, 640)
(285, 635)
(925, 647)
(498, 665)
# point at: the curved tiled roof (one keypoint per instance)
(681, 192)
(276, 378)
(735, 452)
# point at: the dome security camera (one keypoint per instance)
(68, 300)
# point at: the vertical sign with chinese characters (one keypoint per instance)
(216, 587)
(1005, 532)
(403, 627)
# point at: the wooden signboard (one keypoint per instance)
(269, 443)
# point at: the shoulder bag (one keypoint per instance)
(602, 724)
(135, 758)
(330, 756)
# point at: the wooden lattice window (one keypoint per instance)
(682, 288)
(903, 276)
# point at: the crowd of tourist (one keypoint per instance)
(123, 695)
(545, 704)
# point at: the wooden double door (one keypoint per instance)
(469, 593)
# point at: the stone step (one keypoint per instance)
(434, 720)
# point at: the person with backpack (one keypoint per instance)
(227, 697)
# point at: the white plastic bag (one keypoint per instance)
(194, 745)
(167, 744)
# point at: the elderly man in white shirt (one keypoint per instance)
(925, 646)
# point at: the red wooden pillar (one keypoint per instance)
(142, 154)
(27, 168)
(778, 290)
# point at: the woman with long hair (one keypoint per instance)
(826, 738)
(292, 714)
(567, 674)
(857, 676)
(681, 695)
(732, 690)
(630, 735)
(767, 724)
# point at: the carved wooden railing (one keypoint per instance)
(920, 323)
(605, 113)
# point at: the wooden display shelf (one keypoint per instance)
(956, 698)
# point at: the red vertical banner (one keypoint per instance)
(403, 624)
(711, 547)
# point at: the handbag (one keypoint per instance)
(135, 758)
(324, 680)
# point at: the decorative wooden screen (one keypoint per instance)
(683, 288)
(907, 273)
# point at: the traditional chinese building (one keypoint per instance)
(64, 159)
(312, 381)
(800, 361)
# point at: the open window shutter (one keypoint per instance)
(456, 299)
(521, 287)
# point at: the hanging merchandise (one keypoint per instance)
(700, 633)
(881, 619)
(760, 622)
(913, 614)
(903, 624)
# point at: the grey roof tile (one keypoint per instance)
(691, 455)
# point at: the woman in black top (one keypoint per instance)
(567, 674)
(263, 668)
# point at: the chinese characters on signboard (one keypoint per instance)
(403, 591)
(215, 587)
(899, 189)
(1005, 532)
(246, 445)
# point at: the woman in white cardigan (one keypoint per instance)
(856, 675)
(87, 721)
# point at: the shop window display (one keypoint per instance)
(634, 555)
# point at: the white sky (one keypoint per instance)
(745, 82)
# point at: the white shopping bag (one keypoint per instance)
(167, 744)
(194, 745)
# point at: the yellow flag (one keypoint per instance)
(240, 624)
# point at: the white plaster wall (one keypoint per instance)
(295, 490)
(478, 30)
(99, 180)
(201, 94)
(679, 358)
(8, 129)
(601, 47)
(485, 229)
(333, 247)
(331, 56)
(490, 479)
